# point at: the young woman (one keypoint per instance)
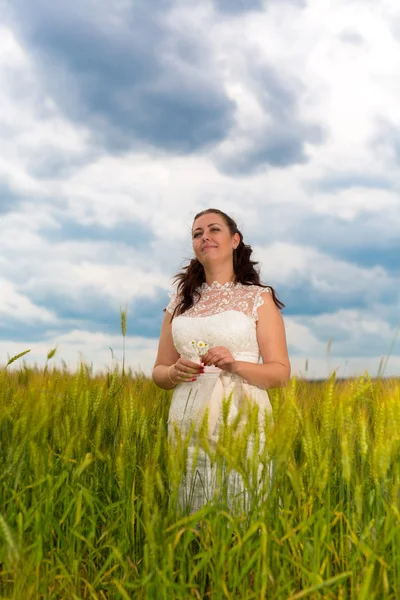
(217, 325)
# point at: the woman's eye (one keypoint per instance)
(198, 233)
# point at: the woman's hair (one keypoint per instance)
(192, 275)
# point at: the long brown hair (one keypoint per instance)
(193, 276)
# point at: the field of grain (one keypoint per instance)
(88, 494)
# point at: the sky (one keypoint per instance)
(120, 121)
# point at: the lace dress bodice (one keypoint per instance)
(224, 315)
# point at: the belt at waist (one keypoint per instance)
(225, 385)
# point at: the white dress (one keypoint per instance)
(225, 315)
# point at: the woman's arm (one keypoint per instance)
(266, 375)
(166, 356)
(170, 368)
(275, 368)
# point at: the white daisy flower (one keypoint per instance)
(200, 347)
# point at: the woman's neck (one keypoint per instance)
(221, 276)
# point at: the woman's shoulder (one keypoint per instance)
(253, 296)
(253, 289)
(174, 300)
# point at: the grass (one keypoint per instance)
(88, 494)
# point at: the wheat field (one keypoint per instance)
(88, 493)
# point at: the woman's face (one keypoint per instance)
(212, 241)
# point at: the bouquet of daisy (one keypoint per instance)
(200, 347)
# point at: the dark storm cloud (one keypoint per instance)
(130, 233)
(22, 331)
(282, 142)
(370, 240)
(126, 74)
(344, 181)
(243, 6)
(280, 147)
(85, 309)
(147, 314)
(93, 312)
(303, 299)
(238, 6)
(346, 343)
(374, 255)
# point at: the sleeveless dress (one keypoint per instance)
(225, 315)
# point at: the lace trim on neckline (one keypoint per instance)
(217, 298)
(218, 286)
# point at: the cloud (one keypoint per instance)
(92, 348)
(17, 307)
(85, 278)
(353, 332)
(146, 314)
(354, 225)
(120, 122)
(235, 7)
(315, 283)
(238, 6)
(369, 240)
(127, 73)
(351, 37)
(140, 78)
(385, 139)
(35, 141)
(277, 147)
(339, 181)
(8, 199)
(128, 233)
(272, 127)
(98, 312)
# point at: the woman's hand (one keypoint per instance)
(185, 370)
(221, 357)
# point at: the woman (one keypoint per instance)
(217, 325)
